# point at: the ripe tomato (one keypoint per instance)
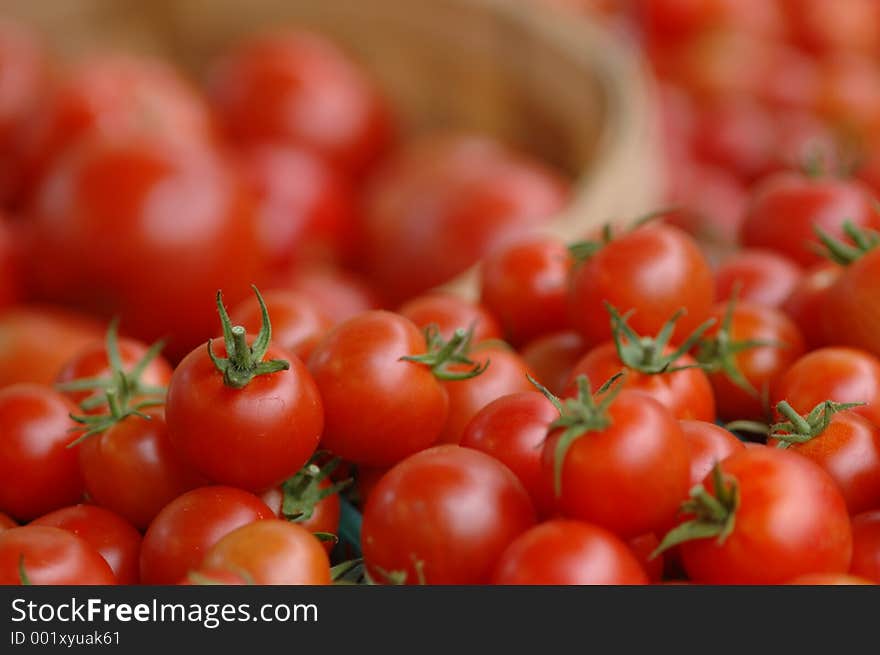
(808, 303)
(176, 220)
(744, 541)
(419, 521)
(42, 555)
(525, 284)
(843, 443)
(38, 471)
(450, 313)
(866, 546)
(112, 536)
(844, 375)
(852, 310)
(340, 295)
(552, 358)
(620, 462)
(512, 429)
(707, 445)
(272, 552)
(761, 277)
(443, 202)
(36, 341)
(654, 271)
(787, 207)
(299, 89)
(242, 411)
(563, 552)
(190, 525)
(378, 407)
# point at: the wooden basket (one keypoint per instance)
(544, 80)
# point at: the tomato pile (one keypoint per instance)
(220, 334)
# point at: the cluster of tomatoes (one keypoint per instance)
(612, 411)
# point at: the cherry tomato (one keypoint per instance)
(762, 277)
(707, 444)
(512, 429)
(297, 88)
(848, 93)
(866, 546)
(808, 303)
(112, 536)
(419, 521)
(525, 284)
(450, 313)
(272, 552)
(340, 295)
(844, 375)
(552, 358)
(852, 309)
(187, 527)
(379, 408)
(43, 555)
(565, 552)
(38, 471)
(653, 271)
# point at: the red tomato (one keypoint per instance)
(707, 445)
(132, 468)
(213, 577)
(849, 96)
(552, 358)
(112, 536)
(512, 429)
(174, 218)
(242, 411)
(565, 552)
(36, 341)
(626, 468)
(450, 313)
(338, 294)
(50, 556)
(787, 207)
(762, 277)
(298, 323)
(525, 284)
(844, 375)
(654, 271)
(751, 545)
(304, 209)
(38, 471)
(299, 89)
(378, 407)
(190, 525)
(852, 311)
(442, 203)
(643, 547)
(419, 521)
(6, 522)
(807, 305)
(866, 546)
(814, 579)
(272, 552)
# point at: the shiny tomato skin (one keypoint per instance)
(252, 438)
(814, 538)
(512, 429)
(117, 541)
(866, 546)
(297, 88)
(339, 294)
(38, 472)
(420, 518)
(686, 393)
(564, 552)
(134, 470)
(525, 284)
(51, 556)
(630, 477)
(379, 408)
(450, 313)
(272, 552)
(553, 357)
(844, 375)
(762, 277)
(787, 207)
(848, 449)
(324, 518)
(852, 312)
(37, 340)
(808, 303)
(187, 527)
(654, 270)
(707, 444)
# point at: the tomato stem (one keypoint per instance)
(303, 491)
(803, 428)
(442, 354)
(842, 253)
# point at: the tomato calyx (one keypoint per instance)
(801, 428)
(349, 572)
(243, 362)
(581, 251)
(119, 409)
(646, 354)
(303, 491)
(442, 354)
(714, 516)
(840, 252)
(399, 577)
(127, 383)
